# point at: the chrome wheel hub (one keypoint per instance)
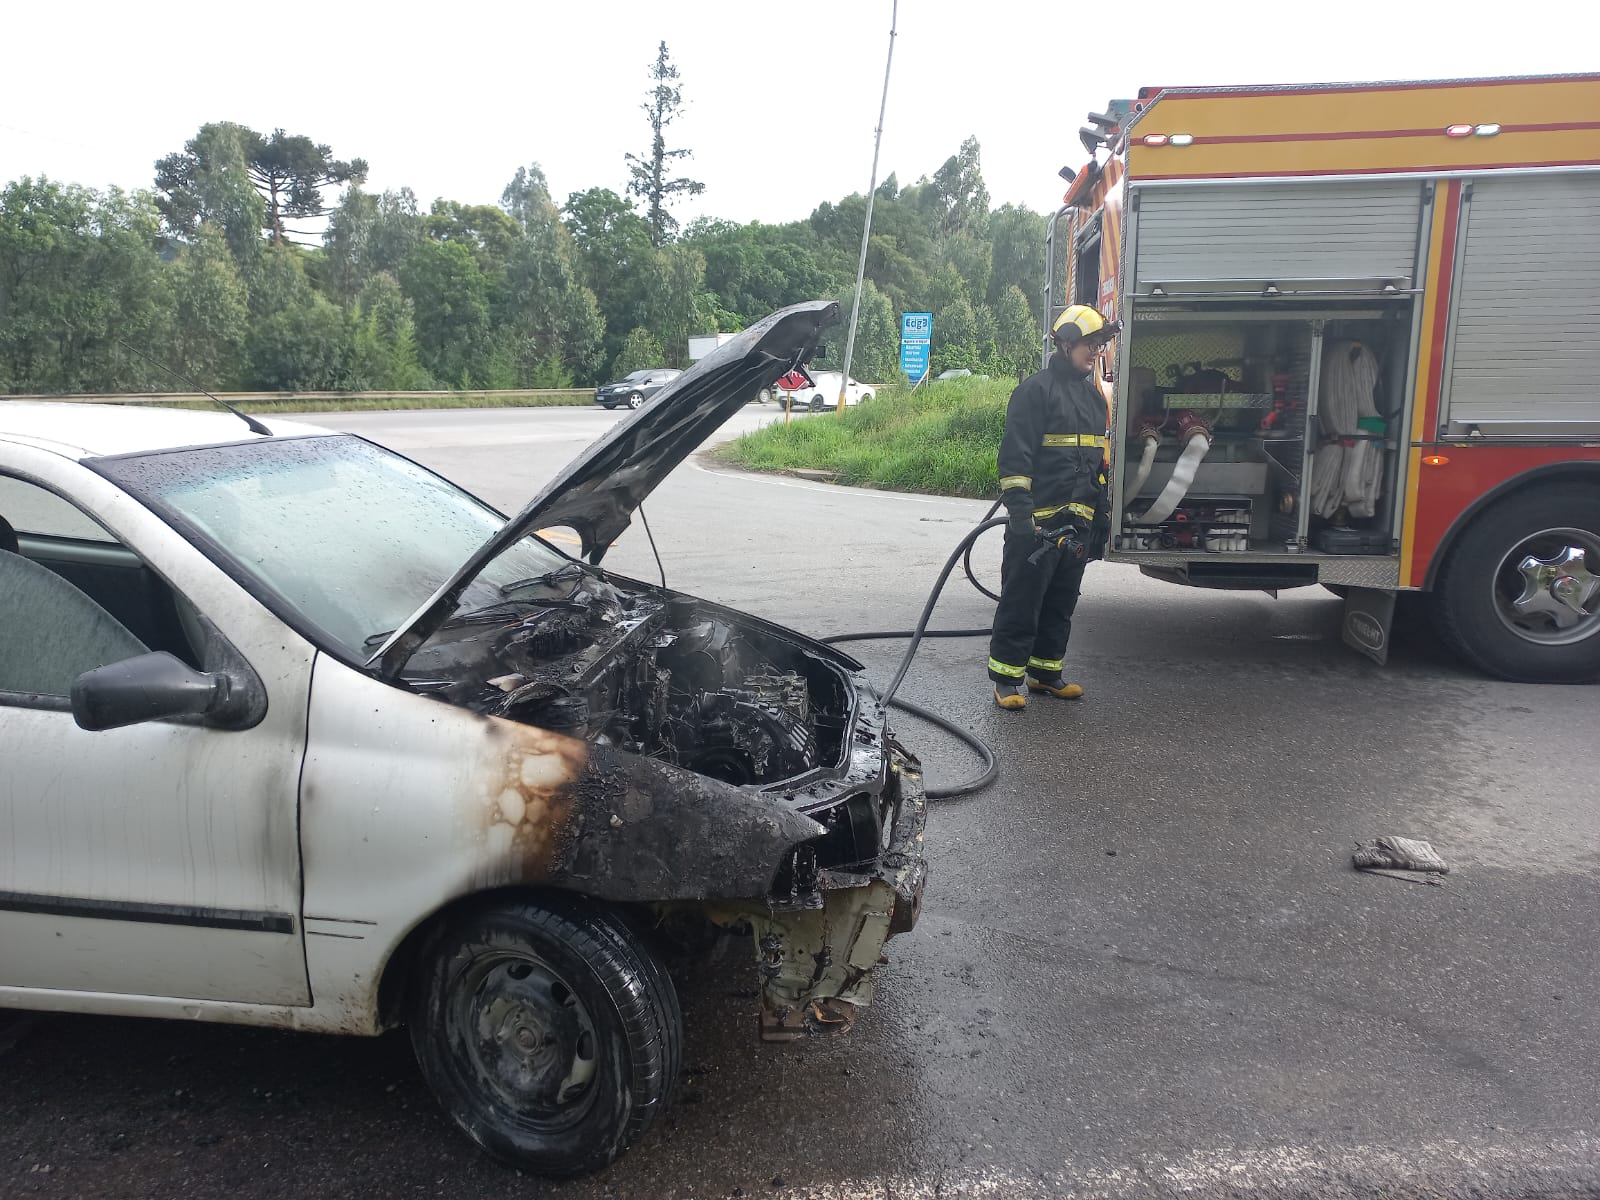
(1546, 589)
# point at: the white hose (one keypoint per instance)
(1347, 476)
(1151, 445)
(1172, 495)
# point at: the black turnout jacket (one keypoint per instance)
(1052, 453)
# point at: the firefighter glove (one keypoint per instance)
(1020, 523)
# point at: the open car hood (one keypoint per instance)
(599, 490)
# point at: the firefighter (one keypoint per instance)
(1053, 484)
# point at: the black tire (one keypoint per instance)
(547, 1032)
(635, 399)
(817, 404)
(1482, 578)
(865, 396)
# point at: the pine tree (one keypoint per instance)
(649, 178)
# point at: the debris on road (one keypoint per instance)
(1394, 855)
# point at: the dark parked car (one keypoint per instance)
(636, 388)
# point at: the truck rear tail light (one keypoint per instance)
(1155, 139)
(1435, 460)
(1181, 139)
(1458, 131)
(1487, 130)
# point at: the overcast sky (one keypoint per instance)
(448, 99)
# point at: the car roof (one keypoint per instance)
(91, 430)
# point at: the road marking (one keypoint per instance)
(1443, 1168)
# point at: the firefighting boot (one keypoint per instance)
(1055, 686)
(1010, 696)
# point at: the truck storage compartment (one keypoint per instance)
(1522, 358)
(1316, 235)
(1258, 429)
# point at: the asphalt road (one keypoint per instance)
(1144, 967)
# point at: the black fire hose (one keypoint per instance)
(963, 554)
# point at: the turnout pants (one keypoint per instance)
(1034, 617)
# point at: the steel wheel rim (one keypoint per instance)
(529, 1038)
(1546, 589)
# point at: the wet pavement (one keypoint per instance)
(1144, 965)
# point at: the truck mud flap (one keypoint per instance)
(1368, 617)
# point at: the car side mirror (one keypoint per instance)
(155, 687)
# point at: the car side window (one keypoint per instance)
(51, 632)
(30, 509)
(52, 629)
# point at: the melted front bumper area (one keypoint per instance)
(819, 937)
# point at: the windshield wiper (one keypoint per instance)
(548, 577)
(505, 590)
(506, 610)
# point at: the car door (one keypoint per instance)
(161, 859)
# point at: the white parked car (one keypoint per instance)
(297, 733)
(822, 393)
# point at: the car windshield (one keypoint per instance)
(346, 536)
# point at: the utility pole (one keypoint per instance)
(866, 229)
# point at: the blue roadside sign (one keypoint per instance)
(916, 336)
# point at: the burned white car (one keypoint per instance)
(297, 733)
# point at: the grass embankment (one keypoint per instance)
(942, 439)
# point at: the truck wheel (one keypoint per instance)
(548, 1033)
(1519, 596)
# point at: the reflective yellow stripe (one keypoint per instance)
(1088, 440)
(1079, 510)
(1044, 664)
(1011, 481)
(1000, 668)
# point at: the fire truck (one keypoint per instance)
(1360, 348)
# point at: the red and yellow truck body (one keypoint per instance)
(1454, 227)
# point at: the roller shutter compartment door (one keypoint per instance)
(1525, 349)
(1279, 233)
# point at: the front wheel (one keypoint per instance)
(816, 404)
(1519, 595)
(635, 399)
(548, 1033)
(865, 396)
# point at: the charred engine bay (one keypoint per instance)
(645, 671)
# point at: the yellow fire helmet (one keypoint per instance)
(1082, 323)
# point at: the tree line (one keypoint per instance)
(231, 270)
